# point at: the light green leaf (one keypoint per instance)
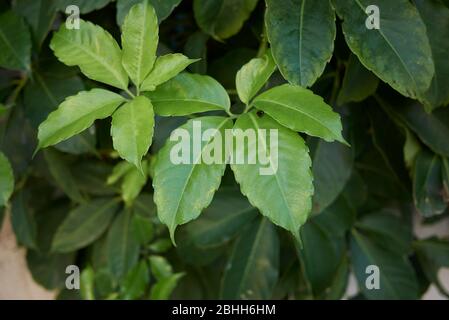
(132, 130)
(253, 267)
(133, 182)
(160, 267)
(76, 114)
(397, 276)
(84, 224)
(135, 282)
(358, 82)
(164, 288)
(428, 188)
(436, 18)
(140, 37)
(163, 8)
(94, 50)
(189, 93)
(122, 245)
(165, 68)
(253, 75)
(15, 42)
(301, 110)
(6, 181)
(284, 194)
(61, 172)
(406, 60)
(222, 18)
(182, 191)
(87, 284)
(301, 34)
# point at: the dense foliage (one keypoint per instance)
(363, 152)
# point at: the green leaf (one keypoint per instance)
(122, 245)
(222, 18)
(228, 213)
(165, 68)
(160, 267)
(85, 6)
(143, 228)
(358, 82)
(87, 283)
(332, 167)
(132, 130)
(22, 219)
(253, 267)
(301, 34)
(163, 289)
(7, 180)
(133, 182)
(84, 224)
(94, 50)
(321, 256)
(139, 41)
(15, 42)
(163, 8)
(253, 75)
(284, 196)
(432, 129)
(76, 114)
(433, 254)
(182, 191)
(301, 110)
(428, 188)
(396, 275)
(135, 282)
(436, 18)
(406, 60)
(61, 172)
(39, 14)
(196, 47)
(189, 93)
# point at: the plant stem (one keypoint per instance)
(130, 93)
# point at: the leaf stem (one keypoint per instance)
(130, 93)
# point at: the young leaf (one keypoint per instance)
(84, 224)
(122, 245)
(253, 268)
(135, 282)
(301, 110)
(76, 114)
(6, 181)
(160, 267)
(140, 37)
(189, 93)
(301, 34)
(15, 42)
(133, 182)
(165, 68)
(164, 288)
(132, 130)
(436, 17)
(284, 196)
(222, 18)
(406, 60)
(253, 75)
(94, 50)
(182, 191)
(428, 188)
